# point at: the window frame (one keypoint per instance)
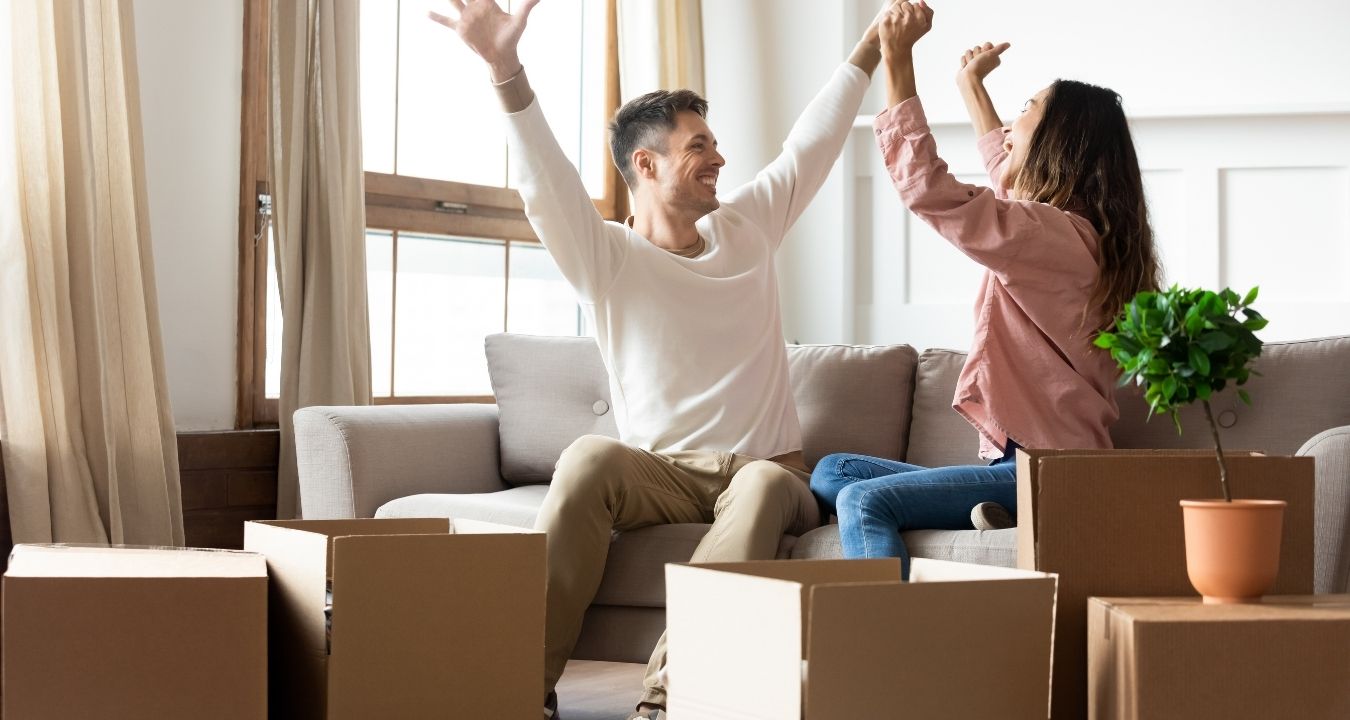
(395, 203)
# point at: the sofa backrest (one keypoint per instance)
(892, 402)
(552, 390)
(1303, 389)
(938, 436)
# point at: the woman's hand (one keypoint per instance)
(979, 61)
(903, 25)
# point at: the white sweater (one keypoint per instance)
(694, 347)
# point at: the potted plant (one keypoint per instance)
(1180, 346)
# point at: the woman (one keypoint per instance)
(1065, 242)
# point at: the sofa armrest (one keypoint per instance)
(1331, 560)
(354, 459)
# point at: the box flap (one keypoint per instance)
(1192, 609)
(330, 529)
(364, 526)
(482, 527)
(94, 561)
(734, 643)
(401, 602)
(974, 648)
(297, 565)
(929, 570)
(1027, 487)
(811, 572)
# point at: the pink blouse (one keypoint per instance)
(1033, 375)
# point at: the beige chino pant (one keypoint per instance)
(601, 485)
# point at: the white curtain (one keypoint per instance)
(319, 204)
(660, 46)
(89, 447)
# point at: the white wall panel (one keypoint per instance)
(1165, 191)
(1287, 230)
(1193, 56)
(1233, 200)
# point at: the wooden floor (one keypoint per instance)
(592, 690)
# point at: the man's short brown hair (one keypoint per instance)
(644, 121)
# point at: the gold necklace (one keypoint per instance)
(692, 251)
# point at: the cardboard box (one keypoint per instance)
(1108, 523)
(1176, 658)
(428, 618)
(830, 639)
(98, 632)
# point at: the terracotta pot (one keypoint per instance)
(1232, 548)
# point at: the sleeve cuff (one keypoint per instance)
(854, 73)
(904, 118)
(515, 92)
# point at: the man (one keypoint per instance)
(684, 298)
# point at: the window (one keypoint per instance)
(450, 256)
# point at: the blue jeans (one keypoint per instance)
(877, 499)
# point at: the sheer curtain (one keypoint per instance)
(89, 447)
(660, 46)
(319, 200)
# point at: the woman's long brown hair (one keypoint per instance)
(1081, 158)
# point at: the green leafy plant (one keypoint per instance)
(1185, 345)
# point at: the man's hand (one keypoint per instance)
(490, 32)
(979, 61)
(867, 54)
(904, 24)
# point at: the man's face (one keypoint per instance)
(686, 173)
(1018, 138)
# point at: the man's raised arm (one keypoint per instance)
(495, 36)
(557, 203)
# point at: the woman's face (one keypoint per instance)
(1018, 137)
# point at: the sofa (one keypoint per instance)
(493, 461)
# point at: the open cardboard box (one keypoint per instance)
(828, 639)
(429, 618)
(1178, 659)
(1108, 523)
(122, 632)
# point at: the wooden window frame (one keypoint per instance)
(397, 203)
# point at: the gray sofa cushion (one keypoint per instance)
(516, 506)
(552, 390)
(1331, 526)
(990, 547)
(853, 399)
(938, 436)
